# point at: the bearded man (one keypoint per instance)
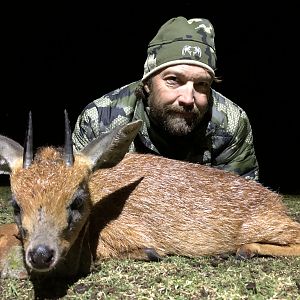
(184, 117)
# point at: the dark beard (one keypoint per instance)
(170, 118)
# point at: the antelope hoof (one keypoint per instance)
(152, 254)
(244, 252)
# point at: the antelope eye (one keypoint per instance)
(17, 215)
(79, 199)
(76, 203)
(15, 206)
(76, 207)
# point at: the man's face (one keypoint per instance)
(178, 97)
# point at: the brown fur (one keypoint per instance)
(185, 209)
(145, 204)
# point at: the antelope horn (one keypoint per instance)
(68, 153)
(28, 145)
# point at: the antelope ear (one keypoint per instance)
(10, 152)
(110, 148)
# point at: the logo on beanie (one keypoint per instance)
(190, 50)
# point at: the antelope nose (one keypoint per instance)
(41, 257)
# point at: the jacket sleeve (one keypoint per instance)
(238, 155)
(104, 114)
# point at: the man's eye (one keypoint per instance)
(202, 83)
(202, 86)
(172, 80)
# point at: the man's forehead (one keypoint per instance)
(187, 70)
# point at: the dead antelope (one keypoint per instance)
(73, 208)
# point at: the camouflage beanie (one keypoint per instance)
(182, 41)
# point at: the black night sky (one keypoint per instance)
(60, 57)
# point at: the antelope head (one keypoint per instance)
(50, 194)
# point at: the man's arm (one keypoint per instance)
(239, 155)
(86, 128)
(104, 114)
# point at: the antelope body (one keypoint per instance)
(109, 204)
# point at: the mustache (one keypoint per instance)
(181, 109)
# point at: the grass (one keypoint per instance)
(219, 277)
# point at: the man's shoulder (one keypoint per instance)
(121, 97)
(223, 103)
(226, 113)
(112, 109)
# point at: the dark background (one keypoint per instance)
(60, 57)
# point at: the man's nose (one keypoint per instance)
(187, 96)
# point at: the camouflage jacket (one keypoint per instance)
(224, 142)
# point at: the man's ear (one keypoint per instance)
(146, 87)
